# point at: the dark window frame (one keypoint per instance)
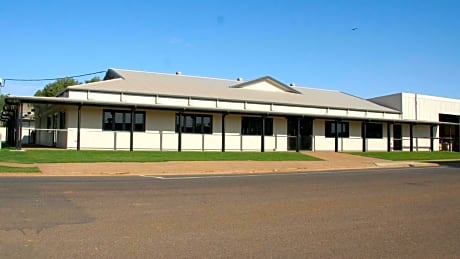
(374, 130)
(120, 120)
(252, 126)
(343, 128)
(195, 123)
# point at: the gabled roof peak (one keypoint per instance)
(270, 80)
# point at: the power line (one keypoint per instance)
(50, 79)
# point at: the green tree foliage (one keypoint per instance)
(2, 101)
(52, 89)
(92, 80)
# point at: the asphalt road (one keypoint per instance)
(407, 213)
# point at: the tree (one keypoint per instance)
(52, 89)
(92, 80)
(2, 101)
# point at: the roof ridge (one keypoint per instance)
(363, 99)
(93, 83)
(315, 88)
(169, 74)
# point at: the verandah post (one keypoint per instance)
(262, 140)
(411, 137)
(18, 126)
(131, 131)
(179, 131)
(78, 126)
(336, 142)
(223, 131)
(297, 144)
(364, 129)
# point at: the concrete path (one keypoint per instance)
(330, 161)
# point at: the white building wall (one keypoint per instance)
(429, 107)
(436, 143)
(232, 133)
(79, 95)
(172, 101)
(258, 107)
(230, 105)
(280, 134)
(107, 97)
(130, 98)
(263, 86)
(337, 112)
(420, 107)
(299, 110)
(355, 141)
(2, 134)
(421, 138)
(321, 143)
(405, 128)
(250, 143)
(203, 103)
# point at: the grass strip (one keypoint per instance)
(411, 156)
(88, 156)
(10, 169)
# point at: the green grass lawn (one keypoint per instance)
(10, 169)
(411, 156)
(83, 156)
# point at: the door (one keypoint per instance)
(397, 137)
(306, 132)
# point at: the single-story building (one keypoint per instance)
(134, 110)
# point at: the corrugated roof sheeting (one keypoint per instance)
(196, 87)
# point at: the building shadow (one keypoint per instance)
(454, 163)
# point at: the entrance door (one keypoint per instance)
(397, 137)
(306, 132)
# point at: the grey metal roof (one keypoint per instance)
(201, 87)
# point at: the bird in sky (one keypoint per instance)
(354, 29)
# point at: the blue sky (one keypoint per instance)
(401, 45)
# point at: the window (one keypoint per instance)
(253, 126)
(374, 130)
(342, 129)
(195, 123)
(117, 120)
